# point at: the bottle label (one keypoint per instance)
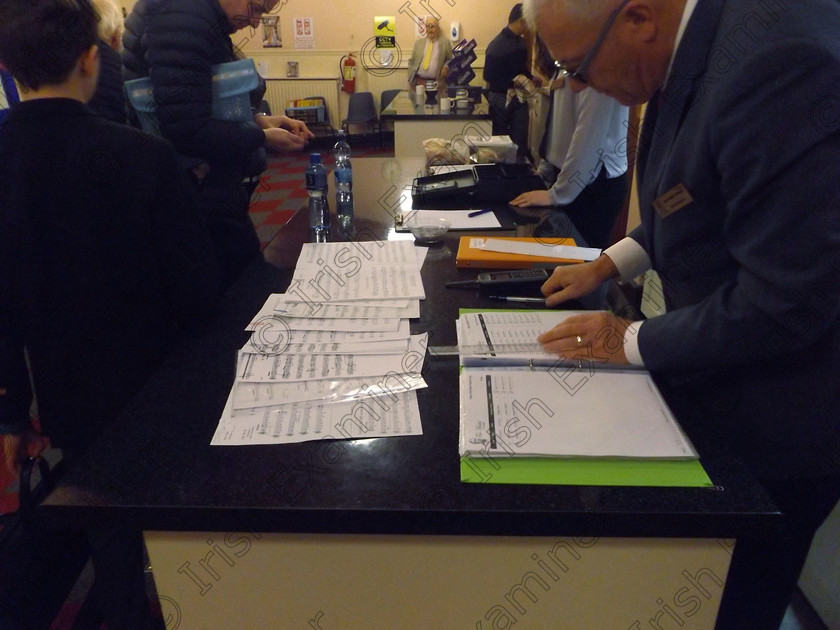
(316, 179)
(343, 175)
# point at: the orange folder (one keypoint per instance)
(476, 258)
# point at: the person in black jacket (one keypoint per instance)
(506, 58)
(104, 265)
(175, 43)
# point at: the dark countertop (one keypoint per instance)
(406, 106)
(156, 465)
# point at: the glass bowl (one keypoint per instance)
(429, 231)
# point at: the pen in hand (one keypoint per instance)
(478, 212)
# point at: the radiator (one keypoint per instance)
(278, 91)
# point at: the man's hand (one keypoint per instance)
(595, 337)
(295, 127)
(573, 281)
(283, 141)
(531, 198)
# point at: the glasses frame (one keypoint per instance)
(579, 74)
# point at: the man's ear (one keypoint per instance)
(639, 22)
(88, 61)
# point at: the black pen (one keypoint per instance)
(478, 212)
(508, 298)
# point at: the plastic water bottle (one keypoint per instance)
(319, 207)
(343, 185)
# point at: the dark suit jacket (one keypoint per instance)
(103, 262)
(751, 267)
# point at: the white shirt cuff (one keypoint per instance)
(629, 257)
(631, 344)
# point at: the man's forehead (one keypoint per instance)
(562, 38)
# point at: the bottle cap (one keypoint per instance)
(314, 158)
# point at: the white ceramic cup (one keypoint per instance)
(445, 104)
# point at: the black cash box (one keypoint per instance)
(486, 182)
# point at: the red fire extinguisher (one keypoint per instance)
(347, 67)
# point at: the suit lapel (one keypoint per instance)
(663, 120)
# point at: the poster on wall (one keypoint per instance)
(385, 35)
(304, 33)
(271, 32)
(385, 31)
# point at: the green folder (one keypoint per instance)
(582, 471)
(585, 471)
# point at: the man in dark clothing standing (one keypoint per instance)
(506, 58)
(175, 43)
(104, 264)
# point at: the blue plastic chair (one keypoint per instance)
(362, 111)
(387, 97)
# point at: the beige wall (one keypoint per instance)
(347, 28)
(341, 29)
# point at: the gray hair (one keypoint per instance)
(579, 10)
(110, 19)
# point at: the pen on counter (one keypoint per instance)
(478, 212)
(509, 298)
(462, 283)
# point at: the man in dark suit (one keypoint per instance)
(104, 262)
(740, 216)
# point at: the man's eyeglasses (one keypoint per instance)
(579, 74)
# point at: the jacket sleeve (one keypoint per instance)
(14, 381)
(414, 60)
(581, 166)
(777, 162)
(180, 40)
(14, 377)
(184, 249)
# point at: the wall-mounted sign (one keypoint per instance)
(385, 31)
(304, 32)
(271, 32)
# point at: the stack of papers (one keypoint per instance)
(527, 416)
(332, 358)
(571, 407)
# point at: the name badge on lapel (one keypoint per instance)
(675, 199)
